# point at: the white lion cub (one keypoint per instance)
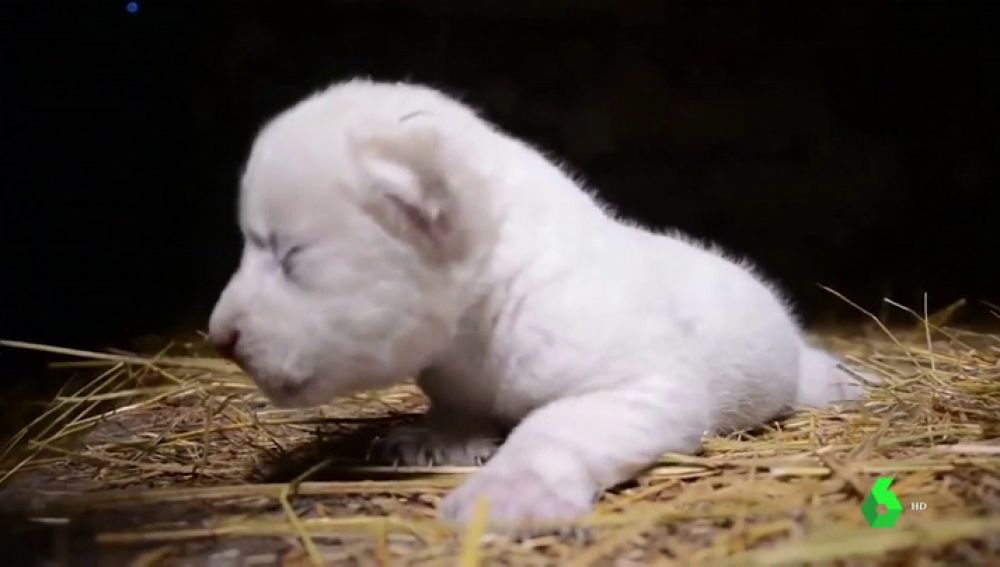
(392, 232)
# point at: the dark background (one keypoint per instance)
(853, 144)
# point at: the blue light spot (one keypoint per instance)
(132, 7)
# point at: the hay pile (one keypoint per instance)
(176, 459)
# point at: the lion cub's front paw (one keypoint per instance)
(419, 446)
(518, 494)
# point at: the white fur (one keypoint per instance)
(432, 244)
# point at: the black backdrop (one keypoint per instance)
(853, 144)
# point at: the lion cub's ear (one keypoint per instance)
(402, 167)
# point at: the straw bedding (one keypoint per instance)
(175, 458)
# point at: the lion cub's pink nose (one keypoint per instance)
(225, 343)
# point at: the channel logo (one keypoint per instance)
(881, 508)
